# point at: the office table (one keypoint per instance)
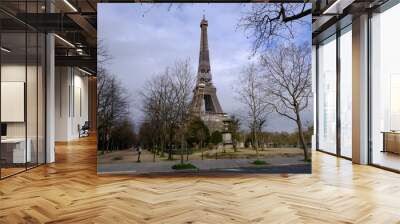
(13, 150)
(391, 141)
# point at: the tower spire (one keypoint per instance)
(204, 70)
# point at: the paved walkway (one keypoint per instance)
(202, 165)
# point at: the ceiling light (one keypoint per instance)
(79, 51)
(5, 50)
(65, 41)
(70, 5)
(84, 71)
(337, 7)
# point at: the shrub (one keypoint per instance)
(184, 166)
(259, 162)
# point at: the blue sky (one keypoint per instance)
(145, 38)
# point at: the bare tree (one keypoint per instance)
(251, 93)
(155, 105)
(166, 99)
(113, 121)
(183, 80)
(288, 83)
(112, 108)
(270, 23)
(103, 57)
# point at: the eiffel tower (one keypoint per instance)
(205, 102)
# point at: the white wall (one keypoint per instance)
(71, 94)
(16, 73)
(62, 81)
(33, 126)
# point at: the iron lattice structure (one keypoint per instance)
(205, 103)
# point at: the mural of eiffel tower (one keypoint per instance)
(205, 103)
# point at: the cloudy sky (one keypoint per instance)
(143, 39)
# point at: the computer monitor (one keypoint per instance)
(3, 129)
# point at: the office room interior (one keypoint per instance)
(49, 73)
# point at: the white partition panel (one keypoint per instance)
(12, 101)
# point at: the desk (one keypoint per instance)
(391, 141)
(13, 150)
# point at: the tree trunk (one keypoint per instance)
(163, 140)
(154, 152)
(103, 144)
(182, 145)
(170, 152)
(257, 152)
(170, 146)
(201, 148)
(301, 136)
(187, 152)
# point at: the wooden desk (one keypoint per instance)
(391, 141)
(13, 150)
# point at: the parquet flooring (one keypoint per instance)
(69, 191)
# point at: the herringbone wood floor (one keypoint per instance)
(69, 191)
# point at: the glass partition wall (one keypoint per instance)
(334, 86)
(22, 98)
(345, 61)
(385, 89)
(327, 95)
(334, 80)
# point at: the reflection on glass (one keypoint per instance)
(395, 102)
(385, 89)
(327, 96)
(31, 100)
(41, 98)
(14, 153)
(346, 94)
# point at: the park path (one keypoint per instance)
(202, 165)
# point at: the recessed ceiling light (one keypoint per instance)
(5, 50)
(64, 40)
(337, 7)
(70, 5)
(84, 71)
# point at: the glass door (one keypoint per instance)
(14, 155)
(327, 95)
(385, 89)
(346, 92)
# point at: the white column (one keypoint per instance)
(314, 94)
(50, 92)
(50, 99)
(360, 90)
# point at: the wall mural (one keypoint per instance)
(204, 88)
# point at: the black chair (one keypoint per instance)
(84, 130)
